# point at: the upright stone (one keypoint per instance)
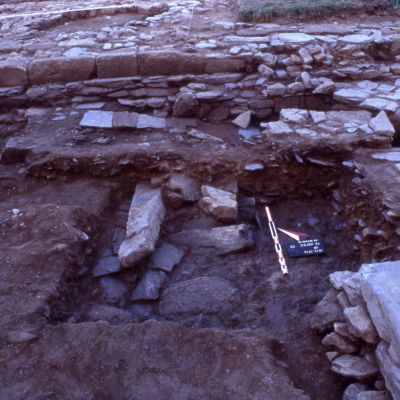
(243, 120)
(146, 214)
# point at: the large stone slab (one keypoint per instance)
(97, 119)
(13, 71)
(62, 69)
(146, 214)
(218, 241)
(117, 65)
(199, 295)
(170, 63)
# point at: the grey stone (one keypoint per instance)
(326, 87)
(295, 37)
(382, 125)
(106, 266)
(219, 203)
(277, 128)
(355, 367)
(243, 120)
(276, 89)
(372, 395)
(185, 105)
(63, 69)
(117, 239)
(185, 187)
(379, 104)
(388, 155)
(110, 314)
(199, 295)
(356, 39)
(337, 278)
(390, 369)
(353, 390)
(97, 119)
(166, 257)
(114, 290)
(339, 343)
(125, 119)
(361, 323)
(343, 329)
(254, 167)
(147, 121)
(13, 71)
(146, 214)
(294, 115)
(352, 96)
(317, 116)
(219, 241)
(112, 65)
(326, 313)
(149, 287)
(209, 95)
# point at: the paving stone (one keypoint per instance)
(106, 266)
(147, 121)
(125, 119)
(97, 119)
(149, 286)
(166, 257)
(146, 214)
(296, 37)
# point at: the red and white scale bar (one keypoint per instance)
(278, 247)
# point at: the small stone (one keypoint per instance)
(243, 120)
(106, 266)
(355, 367)
(219, 203)
(254, 167)
(265, 70)
(166, 257)
(331, 355)
(294, 115)
(149, 287)
(339, 343)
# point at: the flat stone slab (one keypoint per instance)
(166, 257)
(147, 121)
(106, 266)
(146, 214)
(97, 119)
(218, 241)
(296, 37)
(199, 295)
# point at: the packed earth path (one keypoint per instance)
(141, 143)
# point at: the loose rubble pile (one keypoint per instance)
(362, 309)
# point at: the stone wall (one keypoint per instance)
(361, 314)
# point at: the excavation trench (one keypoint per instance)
(304, 198)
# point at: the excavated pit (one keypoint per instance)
(242, 289)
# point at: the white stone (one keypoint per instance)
(243, 120)
(356, 39)
(295, 37)
(97, 119)
(393, 156)
(317, 116)
(277, 128)
(294, 115)
(146, 214)
(352, 96)
(382, 125)
(355, 367)
(337, 278)
(361, 323)
(219, 203)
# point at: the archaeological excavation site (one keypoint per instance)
(198, 203)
